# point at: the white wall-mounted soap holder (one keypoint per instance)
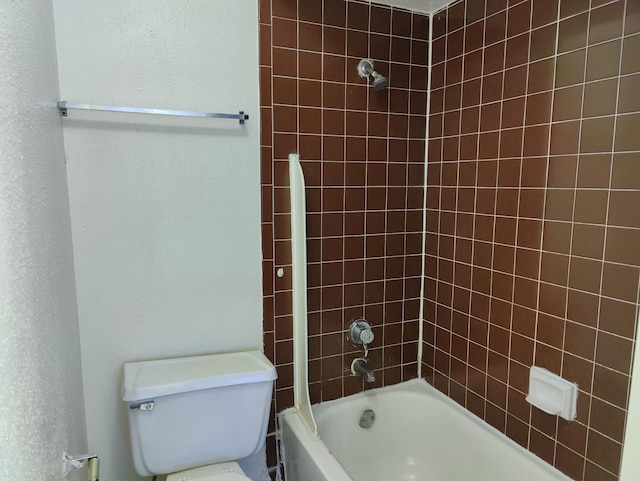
(552, 394)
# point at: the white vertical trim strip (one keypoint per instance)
(424, 201)
(301, 398)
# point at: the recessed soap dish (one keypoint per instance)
(552, 394)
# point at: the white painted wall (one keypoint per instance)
(41, 405)
(165, 212)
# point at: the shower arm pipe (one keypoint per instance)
(63, 106)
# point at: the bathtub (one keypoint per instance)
(418, 434)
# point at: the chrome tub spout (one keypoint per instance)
(360, 367)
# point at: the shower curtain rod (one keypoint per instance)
(64, 105)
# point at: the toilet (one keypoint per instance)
(193, 417)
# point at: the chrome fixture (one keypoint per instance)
(360, 367)
(75, 462)
(366, 418)
(365, 69)
(360, 333)
(63, 106)
(143, 406)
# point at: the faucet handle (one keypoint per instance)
(360, 332)
(366, 336)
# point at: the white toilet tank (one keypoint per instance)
(194, 411)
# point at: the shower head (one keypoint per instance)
(365, 69)
(379, 82)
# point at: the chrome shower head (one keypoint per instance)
(379, 82)
(365, 69)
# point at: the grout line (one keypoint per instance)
(606, 222)
(495, 207)
(438, 321)
(386, 203)
(365, 182)
(475, 207)
(450, 307)
(322, 180)
(517, 216)
(424, 205)
(491, 298)
(595, 347)
(272, 185)
(343, 214)
(545, 344)
(437, 249)
(564, 52)
(544, 208)
(455, 229)
(622, 408)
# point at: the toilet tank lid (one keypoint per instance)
(148, 379)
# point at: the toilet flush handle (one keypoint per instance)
(144, 406)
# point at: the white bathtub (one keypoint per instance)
(419, 434)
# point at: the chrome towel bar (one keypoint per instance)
(64, 105)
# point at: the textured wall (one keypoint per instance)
(165, 211)
(41, 405)
(532, 218)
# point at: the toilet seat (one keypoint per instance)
(227, 477)
(230, 471)
(214, 477)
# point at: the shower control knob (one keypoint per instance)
(360, 332)
(366, 336)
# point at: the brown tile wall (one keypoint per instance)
(363, 158)
(533, 217)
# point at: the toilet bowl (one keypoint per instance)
(193, 417)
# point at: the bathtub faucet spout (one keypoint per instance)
(360, 367)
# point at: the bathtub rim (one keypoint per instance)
(417, 386)
(314, 446)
